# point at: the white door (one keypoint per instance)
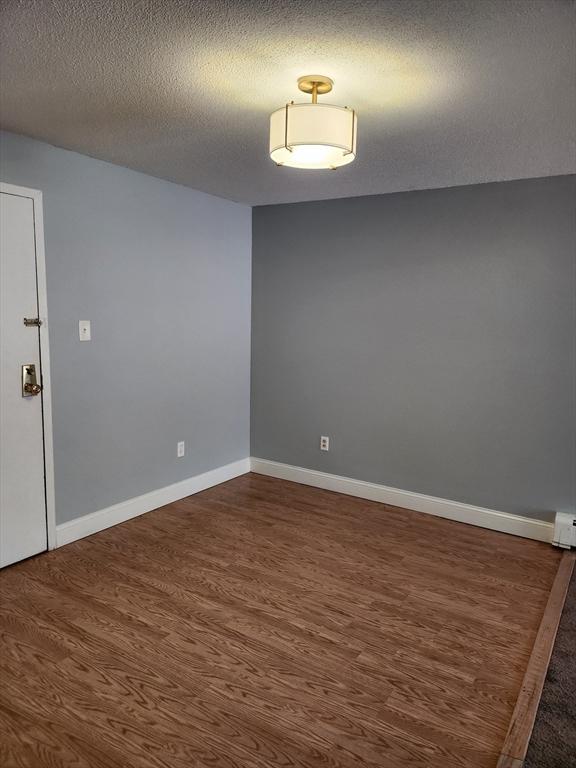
(23, 526)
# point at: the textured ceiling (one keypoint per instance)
(448, 92)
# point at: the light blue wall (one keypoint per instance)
(163, 273)
(429, 334)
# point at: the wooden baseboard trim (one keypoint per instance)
(126, 510)
(518, 737)
(517, 525)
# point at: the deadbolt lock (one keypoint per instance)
(30, 386)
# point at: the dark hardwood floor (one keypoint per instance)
(264, 624)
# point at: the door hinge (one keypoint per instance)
(32, 321)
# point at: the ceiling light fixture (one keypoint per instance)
(313, 135)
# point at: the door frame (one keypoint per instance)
(36, 196)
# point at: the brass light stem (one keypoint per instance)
(317, 85)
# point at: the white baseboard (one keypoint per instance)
(119, 513)
(431, 505)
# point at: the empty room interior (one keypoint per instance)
(288, 384)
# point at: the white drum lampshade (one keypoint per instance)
(313, 135)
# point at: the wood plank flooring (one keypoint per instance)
(264, 624)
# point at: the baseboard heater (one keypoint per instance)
(565, 530)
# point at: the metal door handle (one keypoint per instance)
(30, 386)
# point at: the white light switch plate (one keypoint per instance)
(84, 330)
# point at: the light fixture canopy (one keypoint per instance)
(313, 135)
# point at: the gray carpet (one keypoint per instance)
(553, 742)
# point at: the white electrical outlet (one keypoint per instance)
(181, 449)
(84, 330)
(324, 443)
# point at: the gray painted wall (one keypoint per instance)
(429, 334)
(163, 273)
